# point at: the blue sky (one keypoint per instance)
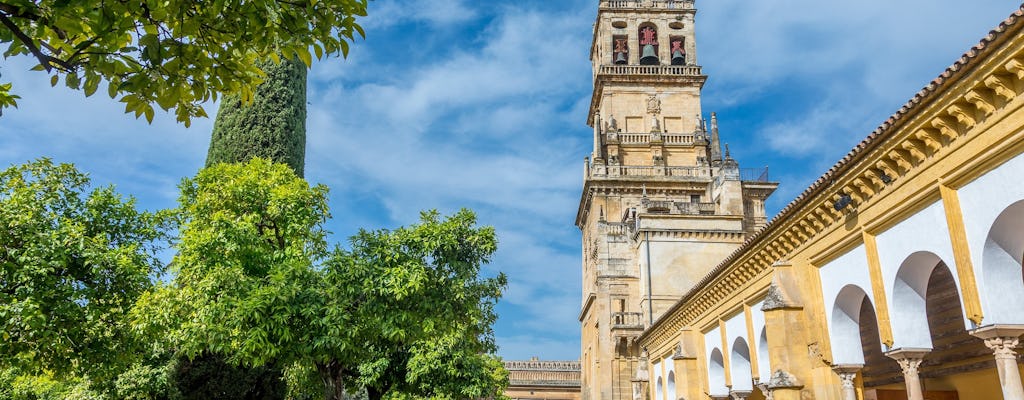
(482, 104)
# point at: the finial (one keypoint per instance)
(644, 189)
(601, 215)
(727, 155)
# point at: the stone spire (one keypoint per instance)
(716, 144)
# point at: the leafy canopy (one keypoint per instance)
(175, 54)
(72, 263)
(403, 313)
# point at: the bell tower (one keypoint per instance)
(662, 203)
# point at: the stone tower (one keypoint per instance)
(662, 203)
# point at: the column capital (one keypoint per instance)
(1003, 347)
(1002, 339)
(908, 358)
(847, 372)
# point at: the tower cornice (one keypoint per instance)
(643, 75)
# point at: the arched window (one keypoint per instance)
(678, 50)
(670, 391)
(648, 35)
(620, 50)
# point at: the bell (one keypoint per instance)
(620, 58)
(649, 57)
(678, 58)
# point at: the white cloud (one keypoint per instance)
(523, 347)
(438, 12)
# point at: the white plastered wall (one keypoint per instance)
(736, 327)
(982, 201)
(670, 387)
(657, 381)
(916, 244)
(850, 269)
(716, 381)
(763, 363)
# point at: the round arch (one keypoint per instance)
(739, 366)
(844, 332)
(764, 367)
(670, 388)
(909, 316)
(716, 374)
(648, 43)
(659, 394)
(1002, 273)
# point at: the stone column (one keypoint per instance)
(909, 360)
(740, 394)
(1002, 339)
(848, 373)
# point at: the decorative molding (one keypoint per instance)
(777, 299)
(783, 380)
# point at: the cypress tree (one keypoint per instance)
(273, 126)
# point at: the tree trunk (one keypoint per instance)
(273, 126)
(332, 375)
(374, 393)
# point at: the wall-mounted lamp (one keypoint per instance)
(844, 200)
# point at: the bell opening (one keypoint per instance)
(678, 58)
(650, 56)
(620, 50)
(678, 54)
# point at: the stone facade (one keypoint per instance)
(543, 380)
(663, 201)
(896, 275)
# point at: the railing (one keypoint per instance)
(634, 138)
(688, 172)
(681, 70)
(665, 4)
(679, 139)
(697, 173)
(754, 174)
(645, 171)
(614, 228)
(627, 320)
(659, 206)
(543, 373)
(696, 208)
(537, 365)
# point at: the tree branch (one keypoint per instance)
(44, 60)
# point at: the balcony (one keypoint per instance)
(676, 70)
(627, 320)
(648, 4)
(672, 139)
(754, 175)
(696, 173)
(697, 208)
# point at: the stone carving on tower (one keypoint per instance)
(662, 204)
